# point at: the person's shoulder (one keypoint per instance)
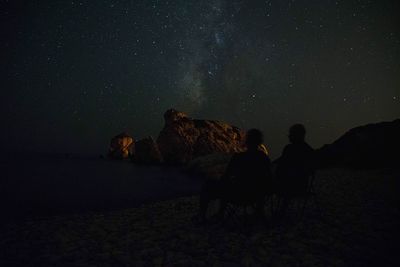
(308, 147)
(287, 148)
(238, 156)
(238, 159)
(261, 155)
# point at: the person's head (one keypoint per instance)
(254, 138)
(297, 133)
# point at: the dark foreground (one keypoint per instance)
(43, 186)
(359, 227)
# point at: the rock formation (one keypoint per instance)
(121, 147)
(146, 151)
(183, 139)
(372, 145)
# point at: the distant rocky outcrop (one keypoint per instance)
(372, 145)
(146, 151)
(122, 146)
(183, 139)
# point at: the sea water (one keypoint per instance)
(52, 185)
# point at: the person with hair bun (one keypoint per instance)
(247, 177)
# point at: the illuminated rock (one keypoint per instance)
(146, 151)
(121, 147)
(183, 139)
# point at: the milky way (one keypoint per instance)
(76, 73)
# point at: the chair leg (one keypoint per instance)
(272, 205)
(317, 205)
(278, 205)
(268, 201)
(232, 213)
(303, 208)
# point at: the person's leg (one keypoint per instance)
(260, 207)
(209, 192)
(222, 208)
(227, 192)
(285, 205)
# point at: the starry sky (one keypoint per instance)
(75, 73)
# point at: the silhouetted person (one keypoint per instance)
(246, 179)
(295, 166)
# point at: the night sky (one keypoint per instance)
(76, 73)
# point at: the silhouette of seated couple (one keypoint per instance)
(248, 178)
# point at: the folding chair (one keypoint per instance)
(240, 206)
(305, 197)
(310, 194)
(236, 208)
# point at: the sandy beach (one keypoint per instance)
(358, 227)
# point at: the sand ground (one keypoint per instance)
(359, 226)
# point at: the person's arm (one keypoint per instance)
(283, 156)
(310, 160)
(267, 179)
(268, 166)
